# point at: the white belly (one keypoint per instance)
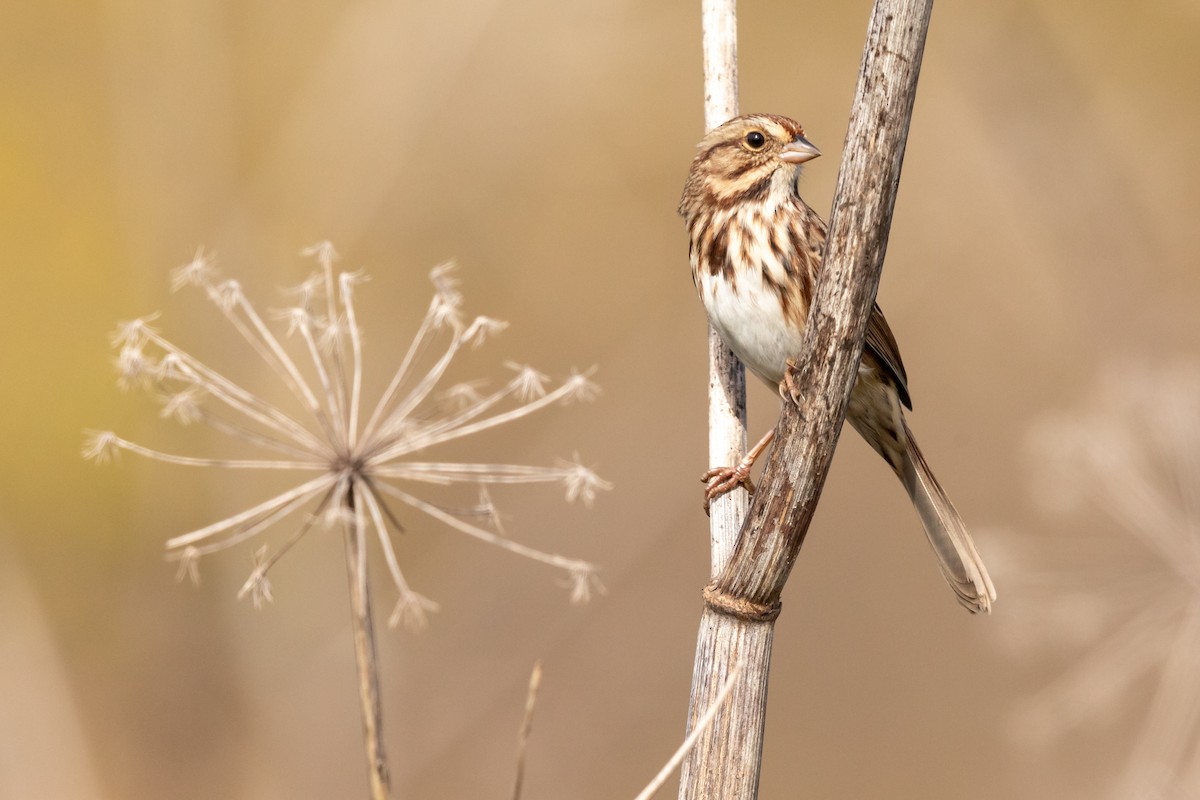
(751, 322)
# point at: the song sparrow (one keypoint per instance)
(755, 250)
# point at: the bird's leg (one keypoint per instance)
(721, 479)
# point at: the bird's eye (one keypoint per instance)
(755, 140)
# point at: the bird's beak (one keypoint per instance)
(798, 151)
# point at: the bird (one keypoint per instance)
(755, 249)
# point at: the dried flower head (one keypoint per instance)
(359, 459)
(1124, 591)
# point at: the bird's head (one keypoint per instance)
(748, 158)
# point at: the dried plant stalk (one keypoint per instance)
(535, 681)
(743, 598)
(726, 375)
(368, 666)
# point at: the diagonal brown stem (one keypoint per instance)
(827, 367)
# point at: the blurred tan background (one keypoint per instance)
(1046, 230)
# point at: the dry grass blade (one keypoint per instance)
(701, 726)
(535, 680)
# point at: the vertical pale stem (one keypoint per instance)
(726, 445)
(727, 757)
(364, 650)
(732, 744)
(726, 375)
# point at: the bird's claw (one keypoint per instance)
(787, 387)
(723, 479)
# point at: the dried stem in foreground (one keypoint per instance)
(364, 655)
(743, 598)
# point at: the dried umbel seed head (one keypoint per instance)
(357, 458)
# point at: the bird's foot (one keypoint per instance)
(723, 479)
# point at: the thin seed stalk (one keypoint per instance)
(364, 651)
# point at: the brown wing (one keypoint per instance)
(882, 344)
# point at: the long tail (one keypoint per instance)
(957, 556)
